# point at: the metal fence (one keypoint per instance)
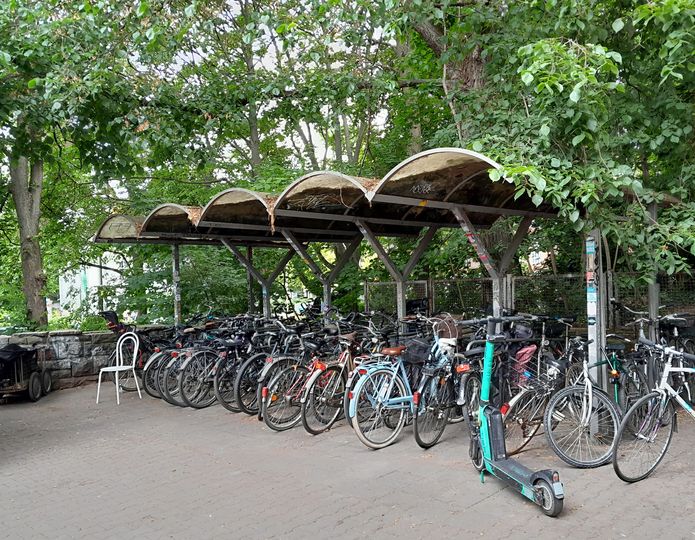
(381, 295)
(469, 296)
(560, 295)
(563, 294)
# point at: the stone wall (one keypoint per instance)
(73, 357)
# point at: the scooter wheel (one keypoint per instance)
(550, 504)
(476, 454)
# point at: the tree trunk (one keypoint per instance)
(337, 138)
(26, 184)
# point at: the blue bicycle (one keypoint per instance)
(383, 401)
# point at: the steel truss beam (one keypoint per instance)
(264, 282)
(398, 275)
(328, 278)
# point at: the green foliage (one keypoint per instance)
(587, 105)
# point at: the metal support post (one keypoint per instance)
(176, 280)
(509, 287)
(265, 283)
(398, 276)
(326, 279)
(249, 282)
(653, 291)
(594, 312)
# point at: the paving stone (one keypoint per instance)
(148, 470)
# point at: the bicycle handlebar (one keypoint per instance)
(667, 350)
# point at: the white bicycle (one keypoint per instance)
(647, 428)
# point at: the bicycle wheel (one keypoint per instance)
(633, 385)
(378, 422)
(268, 374)
(195, 380)
(582, 434)
(246, 383)
(574, 374)
(324, 401)
(471, 395)
(149, 374)
(523, 419)
(223, 383)
(644, 436)
(169, 383)
(281, 406)
(432, 411)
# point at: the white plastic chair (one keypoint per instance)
(121, 354)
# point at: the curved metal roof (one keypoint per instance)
(171, 218)
(123, 229)
(237, 205)
(441, 177)
(325, 206)
(118, 227)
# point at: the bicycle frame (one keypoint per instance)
(665, 388)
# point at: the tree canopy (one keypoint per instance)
(116, 107)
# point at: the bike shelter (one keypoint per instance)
(434, 189)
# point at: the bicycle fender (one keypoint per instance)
(305, 391)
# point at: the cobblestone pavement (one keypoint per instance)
(72, 469)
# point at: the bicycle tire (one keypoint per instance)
(246, 383)
(633, 385)
(149, 374)
(284, 392)
(169, 384)
(324, 392)
(267, 375)
(642, 422)
(433, 410)
(523, 419)
(223, 383)
(367, 392)
(194, 385)
(570, 439)
(471, 394)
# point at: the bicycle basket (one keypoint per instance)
(417, 352)
(521, 331)
(554, 330)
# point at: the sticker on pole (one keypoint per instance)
(591, 321)
(590, 246)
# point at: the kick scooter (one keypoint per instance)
(487, 446)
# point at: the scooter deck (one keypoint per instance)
(512, 470)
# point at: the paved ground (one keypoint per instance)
(72, 469)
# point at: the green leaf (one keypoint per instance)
(527, 78)
(545, 130)
(143, 8)
(190, 10)
(5, 58)
(578, 138)
(576, 92)
(32, 83)
(618, 25)
(537, 200)
(555, 163)
(495, 175)
(574, 216)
